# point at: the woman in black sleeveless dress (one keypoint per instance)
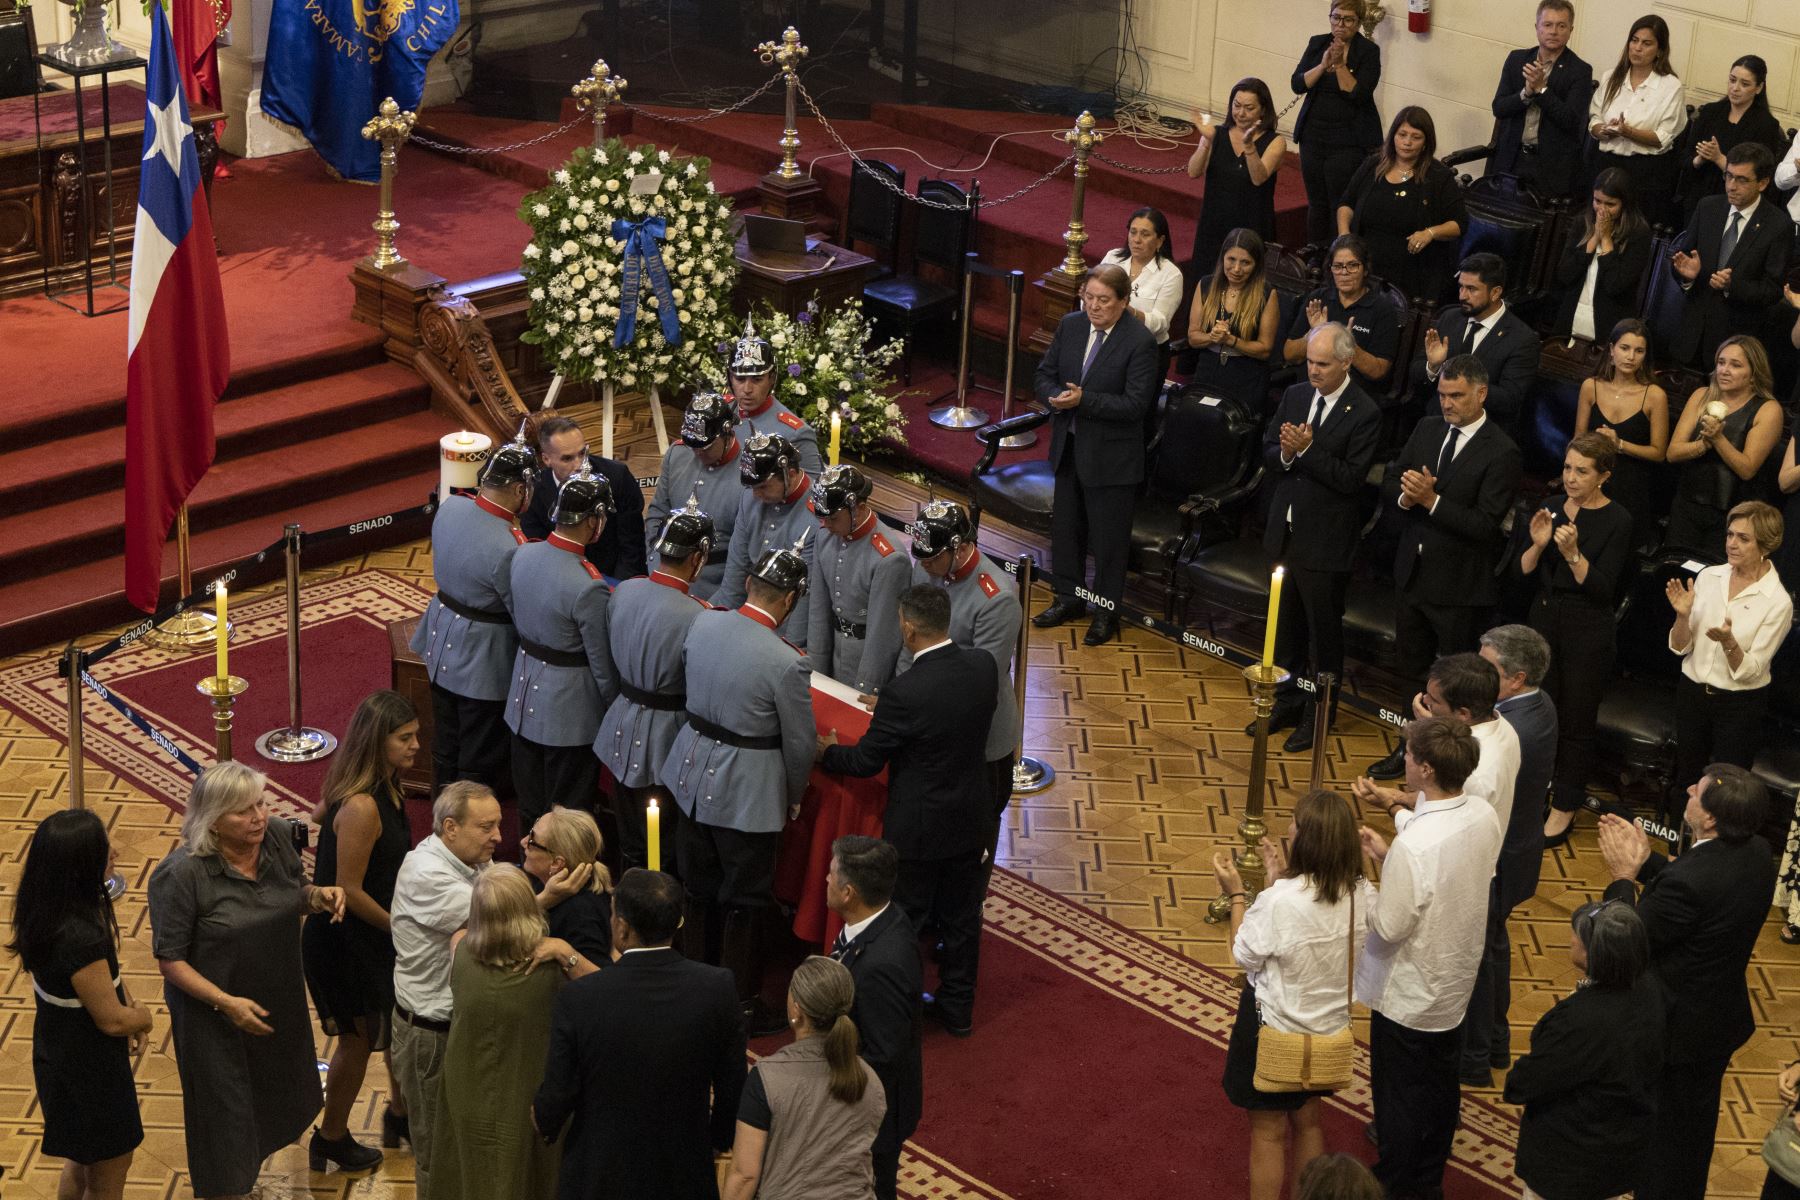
(1724, 440)
(350, 965)
(88, 1029)
(1622, 403)
(1239, 161)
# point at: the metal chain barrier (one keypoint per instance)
(446, 148)
(710, 115)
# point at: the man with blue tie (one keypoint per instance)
(1099, 376)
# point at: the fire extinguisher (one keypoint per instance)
(1418, 16)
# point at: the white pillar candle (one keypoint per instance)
(460, 456)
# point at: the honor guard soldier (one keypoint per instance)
(466, 636)
(648, 622)
(702, 464)
(563, 450)
(563, 676)
(773, 514)
(857, 577)
(738, 770)
(753, 386)
(984, 615)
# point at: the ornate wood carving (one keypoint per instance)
(458, 356)
(67, 184)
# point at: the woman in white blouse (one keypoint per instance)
(1155, 279)
(1295, 946)
(1636, 114)
(1729, 622)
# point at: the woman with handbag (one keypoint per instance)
(1781, 1148)
(1292, 1042)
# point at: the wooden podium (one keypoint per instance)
(788, 281)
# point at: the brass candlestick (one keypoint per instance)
(600, 90)
(1251, 830)
(223, 693)
(1083, 137)
(787, 54)
(390, 126)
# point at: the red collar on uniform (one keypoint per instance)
(746, 414)
(799, 489)
(759, 616)
(563, 543)
(733, 452)
(488, 506)
(669, 581)
(958, 574)
(861, 529)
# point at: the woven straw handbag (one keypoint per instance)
(1310, 1062)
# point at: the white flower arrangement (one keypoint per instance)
(574, 276)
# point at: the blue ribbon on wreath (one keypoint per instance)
(643, 255)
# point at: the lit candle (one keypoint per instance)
(653, 835)
(1268, 659)
(221, 631)
(460, 456)
(837, 437)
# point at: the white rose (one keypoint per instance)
(584, 314)
(612, 185)
(679, 295)
(778, 339)
(575, 268)
(823, 362)
(581, 221)
(685, 269)
(799, 388)
(892, 412)
(569, 248)
(627, 379)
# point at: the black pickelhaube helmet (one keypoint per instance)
(837, 488)
(515, 462)
(583, 495)
(686, 531)
(764, 455)
(751, 356)
(785, 570)
(709, 416)
(941, 525)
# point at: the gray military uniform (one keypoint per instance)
(471, 559)
(716, 489)
(559, 603)
(648, 622)
(985, 615)
(744, 679)
(778, 418)
(758, 529)
(853, 624)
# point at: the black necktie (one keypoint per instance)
(1449, 451)
(1470, 332)
(1728, 243)
(1318, 412)
(838, 946)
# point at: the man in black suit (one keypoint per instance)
(1702, 912)
(1541, 108)
(1520, 656)
(930, 730)
(1482, 325)
(1318, 449)
(879, 947)
(1099, 376)
(1452, 483)
(647, 1056)
(562, 447)
(1736, 259)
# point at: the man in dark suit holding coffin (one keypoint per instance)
(1736, 260)
(1099, 378)
(1541, 108)
(1452, 485)
(647, 1057)
(1702, 911)
(879, 947)
(930, 730)
(1318, 449)
(1481, 324)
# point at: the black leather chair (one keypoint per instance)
(1507, 218)
(1664, 303)
(942, 236)
(1636, 728)
(872, 218)
(1019, 493)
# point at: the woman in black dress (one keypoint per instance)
(1338, 123)
(1740, 115)
(1239, 163)
(1233, 323)
(363, 838)
(1579, 551)
(566, 840)
(1726, 435)
(88, 1029)
(1623, 404)
(1406, 205)
(1603, 266)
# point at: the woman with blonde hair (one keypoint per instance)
(562, 840)
(811, 1110)
(1727, 433)
(225, 909)
(1233, 322)
(499, 1041)
(350, 964)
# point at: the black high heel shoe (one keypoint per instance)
(394, 1127)
(348, 1153)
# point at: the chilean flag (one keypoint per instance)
(180, 356)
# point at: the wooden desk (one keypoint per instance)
(789, 289)
(410, 680)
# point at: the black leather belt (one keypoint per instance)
(487, 615)
(859, 632)
(660, 701)
(724, 736)
(715, 557)
(414, 1019)
(556, 658)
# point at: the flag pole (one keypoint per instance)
(191, 627)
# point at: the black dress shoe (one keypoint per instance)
(1499, 1058)
(1102, 629)
(1287, 714)
(1299, 741)
(1475, 1077)
(934, 1011)
(1064, 610)
(1391, 767)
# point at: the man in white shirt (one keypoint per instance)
(1425, 942)
(1466, 687)
(1736, 260)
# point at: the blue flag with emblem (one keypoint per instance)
(331, 63)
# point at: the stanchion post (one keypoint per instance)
(1015, 302)
(599, 91)
(74, 663)
(960, 415)
(390, 126)
(295, 743)
(1030, 774)
(1324, 694)
(1263, 682)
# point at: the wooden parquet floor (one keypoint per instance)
(1152, 764)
